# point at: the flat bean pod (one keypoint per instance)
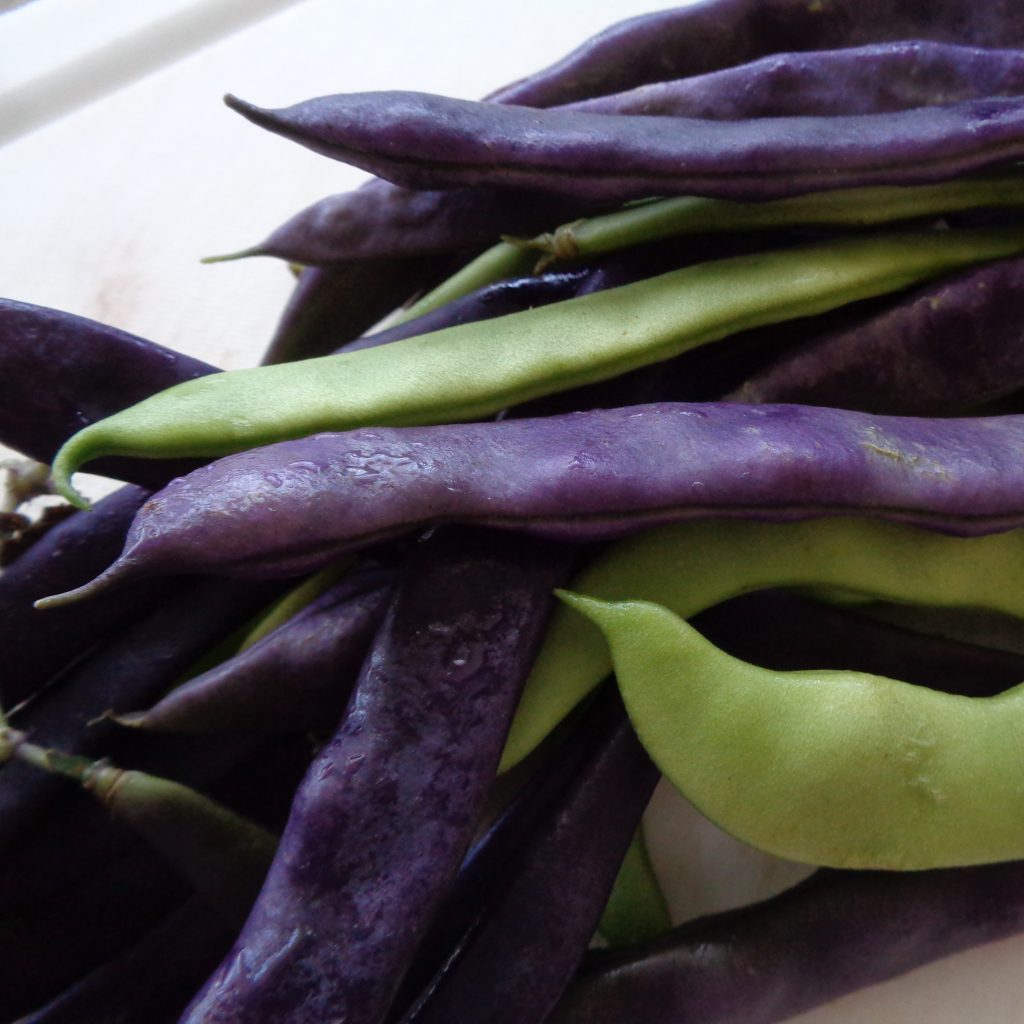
(692, 566)
(433, 142)
(472, 371)
(297, 505)
(841, 769)
(942, 349)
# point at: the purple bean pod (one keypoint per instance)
(517, 961)
(296, 679)
(581, 477)
(387, 810)
(330, 306)
(135, 668)
(939, 350)
(494, 857)
(433, 142)
(715, 34)
(60, 372)
(835, 933)
(860, 80)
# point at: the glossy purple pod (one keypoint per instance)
(380, 218)
(514, 965)
(151, 981)
(580, 477)
(715, 34)
(388, 808)
(837, 932)
(498, 299)
(296, 679)
(60, 372)
(939, 350)
(421, 141)
(859, 80)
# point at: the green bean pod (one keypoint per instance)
(692, 566)
(475, 370)
(841, 769)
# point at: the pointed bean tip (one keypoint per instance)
(228, 257)
(121, 571)
(130, 719)
(64, 466)
(258, 115)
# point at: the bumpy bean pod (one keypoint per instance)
(428, 142)
(473, 370)
(338, 921)
(692, 566)
(584, 477)
(945, 348)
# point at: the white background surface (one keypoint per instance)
(133, 169)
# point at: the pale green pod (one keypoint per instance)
(474, 370)
(840, 769)
(692, 566)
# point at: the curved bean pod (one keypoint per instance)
(60, 372)
(338, 921)
(433, 142)
(513, 967)
(692, 566)
(592, 476)
(472, 371)
(295, 679)
(832, 934)
(840, 769)
(945, 348)
(715, 34)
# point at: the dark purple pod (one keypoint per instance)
(860, 80)
(140, 664)
(837, 932)
(779, 630)
(580, 477)
(37, 646)
(331, 306)
(296, 679)
(514, 965)
(151, 981)
(939, 350)
(494, 300)
(381, 220)
(388, 808)
(433, 142)
(715, 34)
(60, 372)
